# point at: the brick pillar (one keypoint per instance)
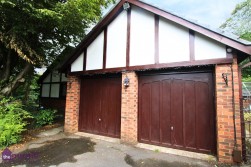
(224, 112)
(129, 109)
(72, 104)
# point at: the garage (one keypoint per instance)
(177, 110)
(100, 105)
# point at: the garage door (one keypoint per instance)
(177, 111)
(100, 106)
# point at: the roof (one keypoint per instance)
(218, 35)
(57, 63)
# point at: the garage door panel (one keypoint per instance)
(112, 92)
(203, 114)
(165, 121)
(177, 112)
(155, 112)
(100, 106)
(180, 111)
(145, 111)
(190, 114)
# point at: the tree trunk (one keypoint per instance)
(7, 90)
(6, 74)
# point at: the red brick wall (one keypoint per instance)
(72, 104)
(54, 103)
(224, 112)
(129, 109)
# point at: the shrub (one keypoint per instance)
(12, 121)
(45, 117)
(247, 116)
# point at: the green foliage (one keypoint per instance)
(247, 116)
(37, 31)
(44, 117)
(29, 92)
(12, 121)
(240, 21)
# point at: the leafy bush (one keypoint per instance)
(247, 116)
(44, 117)
(12, 121)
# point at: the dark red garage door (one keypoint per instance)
(100, 106)
(177, 111)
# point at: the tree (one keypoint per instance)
(240, 21)
(240, 24)
(34, 32)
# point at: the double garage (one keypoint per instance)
(175, 110)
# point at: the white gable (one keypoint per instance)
(78, 65)
(94, 58)
(142, 37)
(173, 43)
(206, 48)
(116, 42)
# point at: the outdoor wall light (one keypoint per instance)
(224, 76)
(126, 6)
(126, 82)
(229, 50)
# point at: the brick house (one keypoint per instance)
(53, 84)
(183, 89)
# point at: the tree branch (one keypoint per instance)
(7, 90)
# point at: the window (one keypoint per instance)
(54, 85)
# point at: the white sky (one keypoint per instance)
(207, 12)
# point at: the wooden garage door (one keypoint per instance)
(177, 111)
(100, 106)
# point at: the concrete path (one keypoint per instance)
(120, 155)
(103, 154)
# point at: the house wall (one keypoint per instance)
(224, 111)
(173, 42)
(116, 42)
(142, 37)
(150, 40)
(129, 109)
(206, 48)
(78, 64)
(146, 39)
(94, 59)
(53, 103)
(72, 105)
(53, 91)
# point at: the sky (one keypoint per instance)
(211, 13)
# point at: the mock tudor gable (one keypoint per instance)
(147, 36)
(176, 97)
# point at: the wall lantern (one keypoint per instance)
(224, 76)
(126, 6)
(126, 82)
(229, 50)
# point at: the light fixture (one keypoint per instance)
(224, 76)
(126, 6)
(126, 82)
(229, 50)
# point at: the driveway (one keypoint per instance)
(71, 150)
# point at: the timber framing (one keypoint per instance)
(193, 28)
(155, 66)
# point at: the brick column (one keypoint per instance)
(224, 112)
(72, 104)
(129, 109)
